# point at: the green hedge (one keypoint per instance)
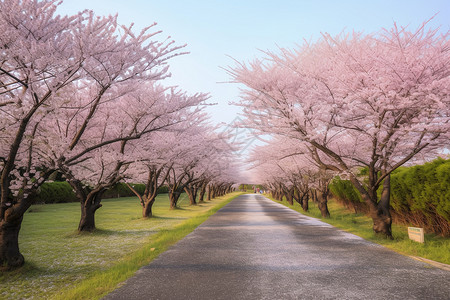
(121, 190)
(61, 192)
(55, 192)
(420, 195)
(424, 187)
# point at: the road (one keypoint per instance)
(254, 248)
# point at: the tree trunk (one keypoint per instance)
(279, 195)
(10, 255)
(173, 199)
(194, 194)
(209, 193)
(305, 200)
(202, 192)
(192, 200)
(276, 194)
(380, 212)
(88, 208)
(289, 198)
(301, 197)
(314, 196)
(228, 190)
(323, 204)
(190, 192)
(172, 204)
(87, 221)
(213, 192)
(147, 208)
(382, 220)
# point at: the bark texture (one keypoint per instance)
(323, 203)
(88, 208)
(10, 256)
(147, 208)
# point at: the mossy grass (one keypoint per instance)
(62, 264)
(436, 248)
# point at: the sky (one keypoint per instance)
(218, 32)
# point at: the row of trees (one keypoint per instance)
(80, 95)
(291, 175)
(377, 101)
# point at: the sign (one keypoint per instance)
(416, 234)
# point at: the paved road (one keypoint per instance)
(254, 248)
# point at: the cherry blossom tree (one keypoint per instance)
(158, 151)
(151, 169)
(112, 142)
(289, 170)
(34, 66)
(187, 170)
(376, 101)
(203, 164)
(220, 168)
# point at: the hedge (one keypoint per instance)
(61, 192)
(55, 192)
(420, 195)
(121, 190)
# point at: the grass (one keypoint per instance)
(62, 264)
(435, 248)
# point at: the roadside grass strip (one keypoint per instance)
(63, 264)
(435, 248)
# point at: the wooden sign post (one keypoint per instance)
(416, 234)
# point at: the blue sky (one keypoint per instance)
(215, 30)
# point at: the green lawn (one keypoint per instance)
(60, 263)
(436, 248)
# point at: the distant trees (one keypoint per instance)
(289, 170)
(187, 158)
(376, 101)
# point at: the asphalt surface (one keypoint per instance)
(254, 248)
